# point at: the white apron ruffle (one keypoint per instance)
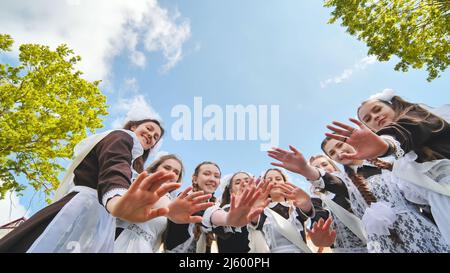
(82, 225)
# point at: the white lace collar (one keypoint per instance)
(284, 204)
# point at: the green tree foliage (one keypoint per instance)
(416, 31)
(45, 109)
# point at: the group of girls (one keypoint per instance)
(107, 202)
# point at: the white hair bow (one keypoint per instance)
(385, 95)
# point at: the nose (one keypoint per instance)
(376, 117)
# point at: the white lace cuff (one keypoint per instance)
(110, 194)
(319, 184)
(206, 222)
(398, 151)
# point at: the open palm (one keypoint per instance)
(322, 235)
(293, 160)
(182, 208)
(366, 143)
(136, 205)
(298, 196)
(242, 208)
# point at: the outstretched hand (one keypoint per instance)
(242, 207)
(182, 208)
(322, 235)
(298, 196)
(136, 205)
(293, 161)
(367, 144)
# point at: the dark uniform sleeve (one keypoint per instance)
(335, 185)
(411, 135)
(114, 159)
(320, 211)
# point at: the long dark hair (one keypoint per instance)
(155, 164)
(414, 113)
(361, 184)
(139, 162)
(226, 195)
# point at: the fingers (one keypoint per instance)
(255, 197)
(275, 156)
(337, 137)
(276, 153)
(315, 227)
(162, 180)
(320, 223)
(233, 202)
(195, 219)
(185, 192)
(277, 164)
(153, 213)
(333, 235)
(294, 150)
(349, 156)
(194, 195)
(246, 198)
(255, 213)
(154, 181)
(343, 125)
(243, 197)
(202, 198)
(168, 187)
(339, 131)
(135, 185)
(357, 122)
(327, 224)
(202, 206)
(279, 150)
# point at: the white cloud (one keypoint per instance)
(99, 30)
(347, 73)
(11, 209)
(132, 85)
(136, 108)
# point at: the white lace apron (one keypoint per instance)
(92, 230)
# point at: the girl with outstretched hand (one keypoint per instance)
(391, 223)
(419, 140)
(96, 190)
(319, 172)
(147, 237)
(232, 234)
(194, 237)
(291, 204)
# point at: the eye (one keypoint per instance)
(366, 119)
(167, 168)
(156, 137)
(331, 153)
(339, 145)
(376, 109)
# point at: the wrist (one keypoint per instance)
(384, 148)
(111, 206)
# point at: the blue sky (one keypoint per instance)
(236, 52)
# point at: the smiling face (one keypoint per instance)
(172, 166)
(376, 114)
(276, 178)
(333, 148)
(148, 134)
(208, 178)
(239, 183)
(324, 164)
